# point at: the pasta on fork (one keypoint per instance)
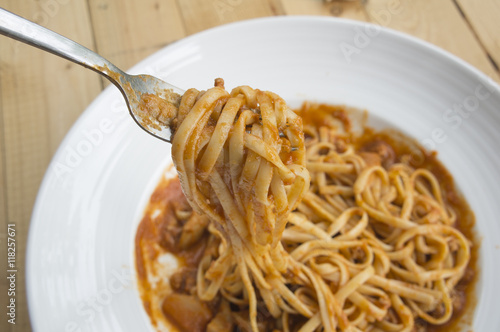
(241, 161)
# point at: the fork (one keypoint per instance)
(132, 87)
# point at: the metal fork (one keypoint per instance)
(132, 87)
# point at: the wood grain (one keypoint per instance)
(128, 31)
(438, 22)
(40, 98)
(199, 15)
(350, 9)
(3, 223)
(484, 16)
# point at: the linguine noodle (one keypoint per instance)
(306, 230)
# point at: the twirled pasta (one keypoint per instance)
(241, 161)
(310, 231)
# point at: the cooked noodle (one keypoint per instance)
(311, 227)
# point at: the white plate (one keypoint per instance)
(80, 265)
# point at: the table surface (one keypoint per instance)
(41, 95)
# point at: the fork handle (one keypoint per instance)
(21, 29)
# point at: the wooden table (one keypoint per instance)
(41, 95)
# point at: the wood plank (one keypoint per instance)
(349, 9)
(199, 15)
(484, 18)
(40, 98)
(4, 325)
(3, 181)
(128, 31)
(436, 22)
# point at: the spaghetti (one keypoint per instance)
(309, 231)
